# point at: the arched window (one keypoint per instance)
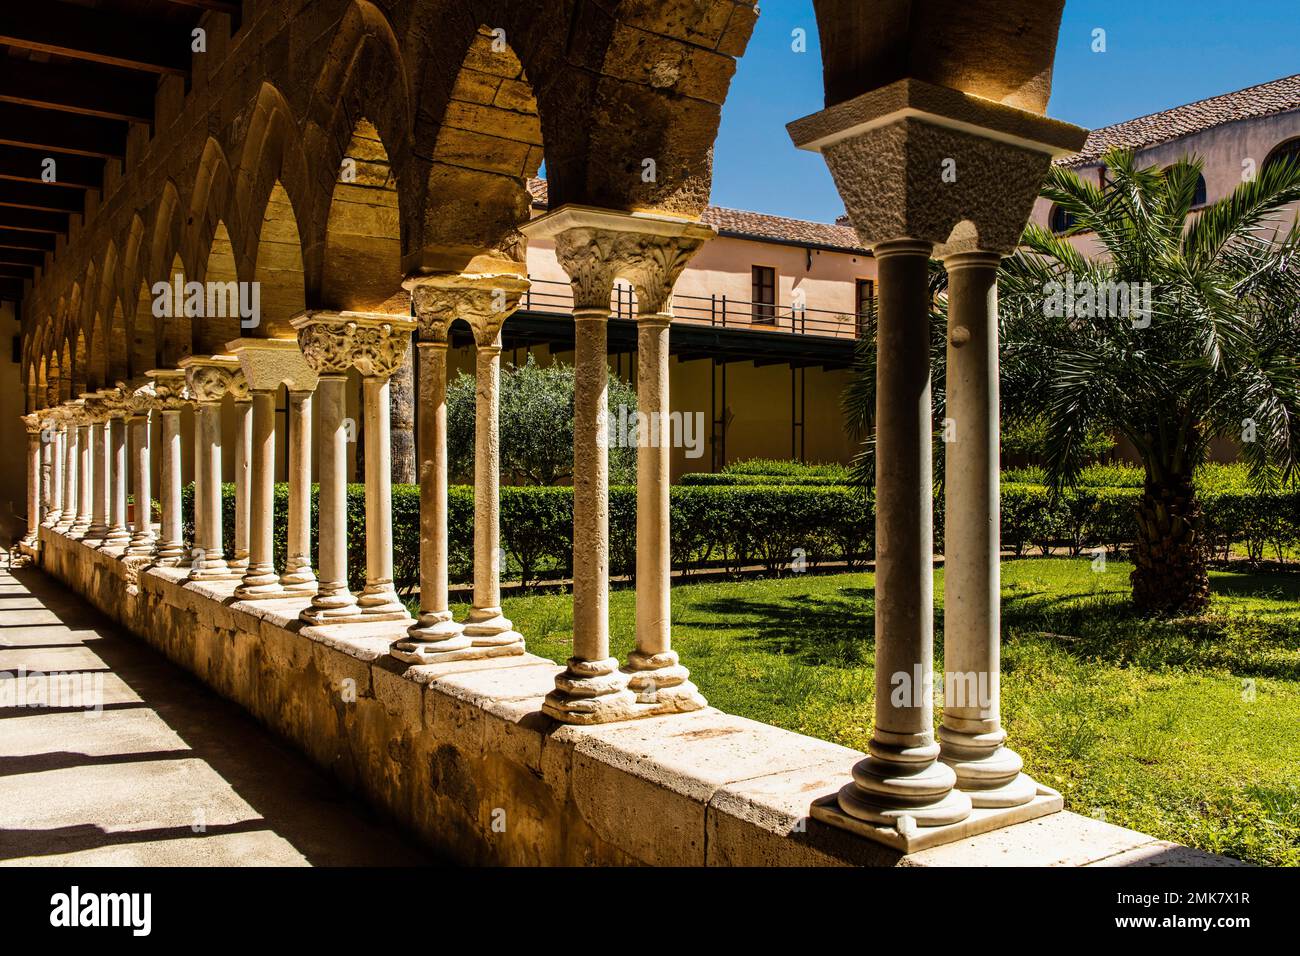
(1288, 150)
(1059, 220)
(1201, 196)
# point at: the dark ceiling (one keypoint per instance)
(74, 76)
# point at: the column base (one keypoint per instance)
(116, 541)
(299, 581)
(884, 792)
(906, 836)
(212, 569)
(488, 627)
(332, 604)
(141, 547)
(238, 563)
(661, 682)
(52, 520)
(590, 692)
(259, 584)
(988, 772)
(436, 639)
(379, 602)
(169, 555)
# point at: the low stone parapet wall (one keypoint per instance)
(461, 754)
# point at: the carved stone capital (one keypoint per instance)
(483, 301)
(33, 423)
(269, 363)
(170, 392)
(142, 400)
(209, 378)
(373, 343)
(597, 246)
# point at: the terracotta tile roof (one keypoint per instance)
(757, 225)
(1277, 96)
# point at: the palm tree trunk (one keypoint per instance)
(1169, 557)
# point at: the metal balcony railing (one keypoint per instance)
(550, 297)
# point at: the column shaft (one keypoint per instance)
(591, 689)
(486, 625)
(33, 488)
(333, 600)
(434, 632)
(85, 479)
(657, 675)
(378, 600)
(103, 467)
(971, 734)
(71, 457)
(142, 536)
(209, 560)
(243, 482)
(118, 536)
(171, 545)
(298, 577)
(260, 579)
(55, 473)
(902, 776)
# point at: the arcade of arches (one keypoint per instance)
(345, 178)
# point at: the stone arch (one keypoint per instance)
(362, 90)
(80, 361)
(66, 369)
(115, 346)
(362, 253)
(278, 268)
(41, 398)
(52, 379)
(485, 144)
(32, 385)
(165, 247)
(272, 157)
(174, 333)
(220, 272)
(142, 353)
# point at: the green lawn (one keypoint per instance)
(1188, 730)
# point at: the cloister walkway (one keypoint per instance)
(166, 774)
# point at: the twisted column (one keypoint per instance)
(298, 577)
(971, 737)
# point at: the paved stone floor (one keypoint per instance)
(167, 773)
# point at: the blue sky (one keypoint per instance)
(1160, 53)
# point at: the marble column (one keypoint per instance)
(54, 432)
(378, 600)
(33, 425)
(260, 579)
(332, 343)
(435, 635)
(902, 776)
(85, 478)
(971, 737)
(102, 456)
(298, 577)
(118, 535)
(595, 247)
(170, 389)
(142, 534)
(71, 458)
(209, 379)
(243, 408)
(657, 676)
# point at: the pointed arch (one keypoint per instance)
(210, 333)
(363, 77)
(485, 144)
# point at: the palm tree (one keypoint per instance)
(1207, 347)
(1184, 329)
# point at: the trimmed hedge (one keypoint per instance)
(772, 526)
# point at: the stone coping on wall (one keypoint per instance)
(461, 755)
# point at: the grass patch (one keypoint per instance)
(1184, 729)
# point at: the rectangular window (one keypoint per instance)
(763, 295)
(866, 295)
